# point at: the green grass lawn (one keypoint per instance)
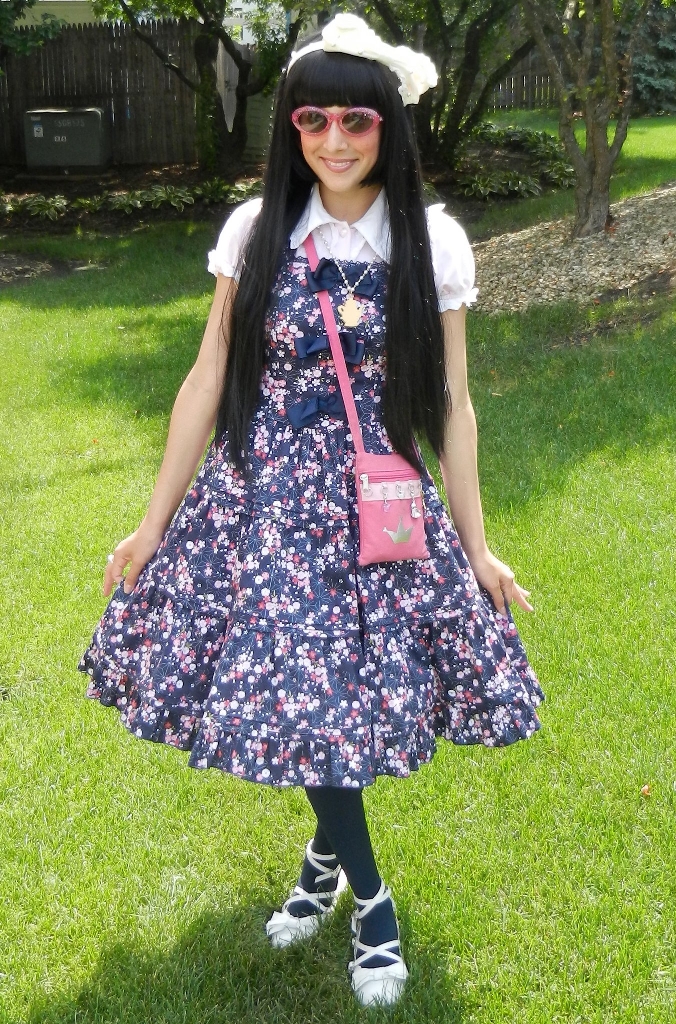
(535, 884)
(647, 160)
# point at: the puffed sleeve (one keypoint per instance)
(452, 260)
(225, 258)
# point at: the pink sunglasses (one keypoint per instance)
(353, 121)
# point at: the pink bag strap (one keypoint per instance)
(336, 350)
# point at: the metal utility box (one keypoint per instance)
(76, 137)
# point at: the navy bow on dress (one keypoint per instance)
(309, 344)
(302, 414)
(327, 276)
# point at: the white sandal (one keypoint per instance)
(383, 984)
(283, 928)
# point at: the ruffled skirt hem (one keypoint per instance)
(372, 715)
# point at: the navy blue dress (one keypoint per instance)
(255, 641)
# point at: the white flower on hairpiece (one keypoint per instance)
(347, 33)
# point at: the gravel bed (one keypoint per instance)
(543, 264)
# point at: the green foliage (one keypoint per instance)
(560, 174)
(214, 191)
(498, 183)
(126, 202)
(53, 207)
(171, 194)
(540, 145)
(43, 207)
(23, 40)
(645, 163)
(546, 151)
(655, 62)
(91, 204)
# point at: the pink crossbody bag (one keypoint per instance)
(389, 489)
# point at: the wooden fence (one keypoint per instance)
(151, 112)
(528, 87)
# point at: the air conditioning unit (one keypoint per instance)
(67, 139)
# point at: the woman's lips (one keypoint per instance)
(337, 165)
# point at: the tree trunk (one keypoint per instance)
(592, 191)
(218, 149)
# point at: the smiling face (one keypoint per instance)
(341, 162)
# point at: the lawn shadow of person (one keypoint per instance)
(223, 971)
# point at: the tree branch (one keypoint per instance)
(494, 79)
(462, 11)
(587, 48)
(628, 72)
(609, 48)
(216, 29)
(443, 28)
(551, 19)
(389, 18)
(259, 83)
(534, 11)
(130, 17)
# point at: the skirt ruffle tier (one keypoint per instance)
(291, 703)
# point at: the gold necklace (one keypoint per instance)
(351, 310)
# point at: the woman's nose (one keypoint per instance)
(335, 138)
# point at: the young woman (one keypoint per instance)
(246, 629)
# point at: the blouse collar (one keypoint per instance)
(374, 226)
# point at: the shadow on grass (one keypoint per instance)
(142, 374)
(222, 970)
(149, 265)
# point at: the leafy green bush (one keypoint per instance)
(91, 204)
(213, 191)
(547, 152)
(560, 174)
(126, 202)
(245, 190)
(171, 194)
(498, 183)
(44, 207)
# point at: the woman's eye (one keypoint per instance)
(312, 121)
(356, 122)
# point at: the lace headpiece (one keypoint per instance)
(349, 34)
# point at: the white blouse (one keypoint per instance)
(366, 240)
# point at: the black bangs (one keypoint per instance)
(338, 80)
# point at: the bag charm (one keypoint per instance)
(389, 489)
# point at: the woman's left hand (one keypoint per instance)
(498, 579)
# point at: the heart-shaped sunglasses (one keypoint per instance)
(353, 121)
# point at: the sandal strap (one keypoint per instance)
(299, 895)
(364, 952)
(319, 862)
(366, 906)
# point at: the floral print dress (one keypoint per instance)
(253, 638)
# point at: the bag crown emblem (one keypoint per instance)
(401, 536)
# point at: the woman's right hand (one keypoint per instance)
(136, 550)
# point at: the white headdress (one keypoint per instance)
(349, 34)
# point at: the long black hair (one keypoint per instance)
(415, 394)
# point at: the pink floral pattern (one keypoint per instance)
(254, 640)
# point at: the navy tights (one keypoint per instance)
(343, 831)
